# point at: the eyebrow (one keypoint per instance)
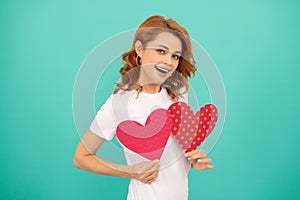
(168, 48)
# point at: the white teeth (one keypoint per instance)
(162, 69)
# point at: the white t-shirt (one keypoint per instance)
(172, 181)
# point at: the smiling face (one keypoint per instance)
(159, 58)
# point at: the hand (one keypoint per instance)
(145, 172)
(199, 160)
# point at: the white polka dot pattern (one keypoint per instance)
(190, 130)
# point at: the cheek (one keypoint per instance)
(175, 64)
(150, 58)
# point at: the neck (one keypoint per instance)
(151, 88)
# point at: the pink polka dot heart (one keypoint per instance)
(190, 130)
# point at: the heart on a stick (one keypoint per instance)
(150, 140)
(190, 130)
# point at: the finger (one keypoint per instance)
(151, 166)
(202, 153)
(154, 166)
(153, 170)
(155, 163)
(197, 156)
(152, 176)
(204, 160)
(149, 174)
(210, 166)
(149, 181)
(191, 153)
(145, 176)
(149, 177)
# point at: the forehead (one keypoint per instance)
(168, 40)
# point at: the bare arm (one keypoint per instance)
(85, 158)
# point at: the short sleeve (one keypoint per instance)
(104, 124)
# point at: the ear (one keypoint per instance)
(138, 48)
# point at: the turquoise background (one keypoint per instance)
(255, 45)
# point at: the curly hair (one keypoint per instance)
(146, 32)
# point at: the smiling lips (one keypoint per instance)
(162, 70)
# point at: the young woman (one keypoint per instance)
(154, 75)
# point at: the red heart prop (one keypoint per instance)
(149, 140)
(190, 130)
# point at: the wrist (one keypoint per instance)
(126, 171)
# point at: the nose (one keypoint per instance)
(168, 59)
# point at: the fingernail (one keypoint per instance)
(198, 160)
